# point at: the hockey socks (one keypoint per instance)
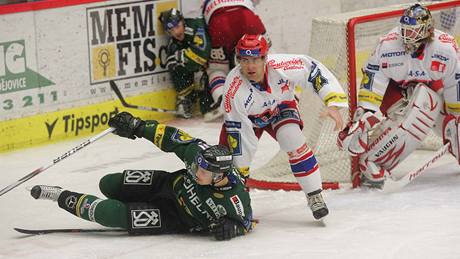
(109, 213)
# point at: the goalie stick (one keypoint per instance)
(55, 161)
(392, 184)
(66, 230)
(116, 90)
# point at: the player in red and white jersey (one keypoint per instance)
(227, 21)
(259, 96)
(413, 64)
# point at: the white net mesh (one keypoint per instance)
(329, 45)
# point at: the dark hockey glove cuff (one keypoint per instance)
(126, 125)
(227, 229)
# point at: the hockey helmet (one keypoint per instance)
(216, 159)
(170, 18)
(252, 46)
(417, 26)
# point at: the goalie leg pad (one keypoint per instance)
(450, 135)
(401, 136)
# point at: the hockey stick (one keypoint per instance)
(392, 184)
(55, 161)
(66, 230)
(127, 105)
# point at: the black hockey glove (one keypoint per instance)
(175, 60)
(226, 229)
(126, 125)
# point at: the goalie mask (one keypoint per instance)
(417, 27)
(216, 159)
(170, 18)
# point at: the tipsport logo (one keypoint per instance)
(124, 41)
(14, 73)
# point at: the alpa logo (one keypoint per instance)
(138, 177)
(148, 218)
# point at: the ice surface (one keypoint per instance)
(420, 221)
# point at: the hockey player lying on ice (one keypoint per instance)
(207, 195)
(259, 96)
(413, 78)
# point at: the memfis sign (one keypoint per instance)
(123, 41)
(14, 73)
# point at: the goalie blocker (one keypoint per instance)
(382, 143)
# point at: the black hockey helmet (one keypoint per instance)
(170, 18)
(217, 159)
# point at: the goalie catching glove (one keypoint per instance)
(226, 229)
(126, 125)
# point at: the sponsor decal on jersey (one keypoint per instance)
(373, 67)
(232, 124)
(393, 54)
(440, 57)
(250, 98)
(230, 94)
(385, 65)
(390, 37)
(218, 195)
(146, 218)
(284, 85)
(159, 134)
(138, 177)
(234, 142)
(437, 66)
(192, 197)
(368, 80)
(238, 205)
(180, 136)
(446, 38)
(292, 64)
(416, 73)
(218, 210)
(269, 103)
(199, 39)
(316, 78)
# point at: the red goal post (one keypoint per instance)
(343, 42)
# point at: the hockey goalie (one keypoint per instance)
(410, 86)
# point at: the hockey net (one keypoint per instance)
(343, 42)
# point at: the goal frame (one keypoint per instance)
(350, 25)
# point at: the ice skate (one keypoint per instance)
(184, 108)
(317, 205)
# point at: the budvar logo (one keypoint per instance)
(234, 86)
(14, 73)
(295, 63)
(123, 41)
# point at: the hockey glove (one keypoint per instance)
(126, 125)
(226, 229)
(174, 60)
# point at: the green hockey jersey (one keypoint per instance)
(196, 45)
(204, 204)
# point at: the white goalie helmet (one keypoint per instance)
(417, 27)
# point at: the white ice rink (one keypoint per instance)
(420, 221)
